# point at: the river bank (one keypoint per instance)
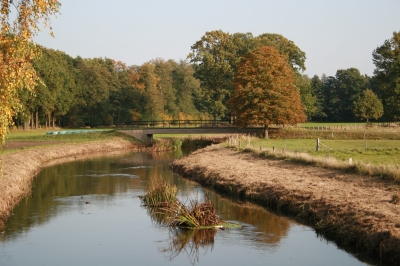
(20, 167)
(356, 211)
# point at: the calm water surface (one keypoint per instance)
(88, 213)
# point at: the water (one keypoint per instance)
(88, 213)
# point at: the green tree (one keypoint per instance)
(187, 90)
(294, 56)
(153, 107)
(163, 70)
(368, 106)
(265, 92)
(387, 71)
(317, 91)
(308, 100)
(340, 93)
(212, 56)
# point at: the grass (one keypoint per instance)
(197, 215)
(160, 194)
(376, 152)
(161, 199)
(344, 124)
(384, 171)
(40, 135)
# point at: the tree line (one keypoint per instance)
(76, 92)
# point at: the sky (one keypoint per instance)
(337, 34)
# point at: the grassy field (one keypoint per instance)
(381, 147)
(40, 135)
(376, 152)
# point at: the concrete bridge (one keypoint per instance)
(146, 135)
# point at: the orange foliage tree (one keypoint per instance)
(20, 20)
(264, 90)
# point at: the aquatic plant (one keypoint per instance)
(160, 194)
(197, 215)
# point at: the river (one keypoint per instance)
(88, 212)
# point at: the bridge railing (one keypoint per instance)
(176, 124)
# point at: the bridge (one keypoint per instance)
(144, 130)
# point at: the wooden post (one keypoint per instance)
(273, 148)
(332, 134)
(317, 148)
(350, 161)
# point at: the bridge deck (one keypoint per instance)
(146, 135)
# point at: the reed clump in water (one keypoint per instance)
(197, 215)
(160, 194)
(161, 199)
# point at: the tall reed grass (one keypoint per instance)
(161, 199)
(160, 194)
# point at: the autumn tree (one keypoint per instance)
(387, 62)
(368, 106)
(216, 57)
(264, 90)
(20, 21)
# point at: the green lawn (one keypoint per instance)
(40, 135)
(376, 151)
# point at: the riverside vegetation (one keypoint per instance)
(355, 210)
(161, 198)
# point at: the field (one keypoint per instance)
(380, 146)
(19, 139)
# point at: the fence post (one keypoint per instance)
(317, 148)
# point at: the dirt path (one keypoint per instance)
(19, 168)
(351, 209)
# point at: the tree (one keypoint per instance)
(187, 89)
(17, 51)
(212, 56)
(387, 62)
(294, 56)
(317, 92)
(368, 106)
(216, 57)
(264, 90)
(308, 100)
(341, 91)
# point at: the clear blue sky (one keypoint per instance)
(334, 34)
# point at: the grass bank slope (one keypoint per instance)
(353, 210)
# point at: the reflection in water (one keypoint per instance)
(270, 228)
(101, 177)
(189, 241)
(52, 226)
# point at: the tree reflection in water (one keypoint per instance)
(188, 241)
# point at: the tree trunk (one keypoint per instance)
(54, 121)
(37, 119)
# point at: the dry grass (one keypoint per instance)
(383, 171)
(197, 215)
(353, 210)
(160, 194)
